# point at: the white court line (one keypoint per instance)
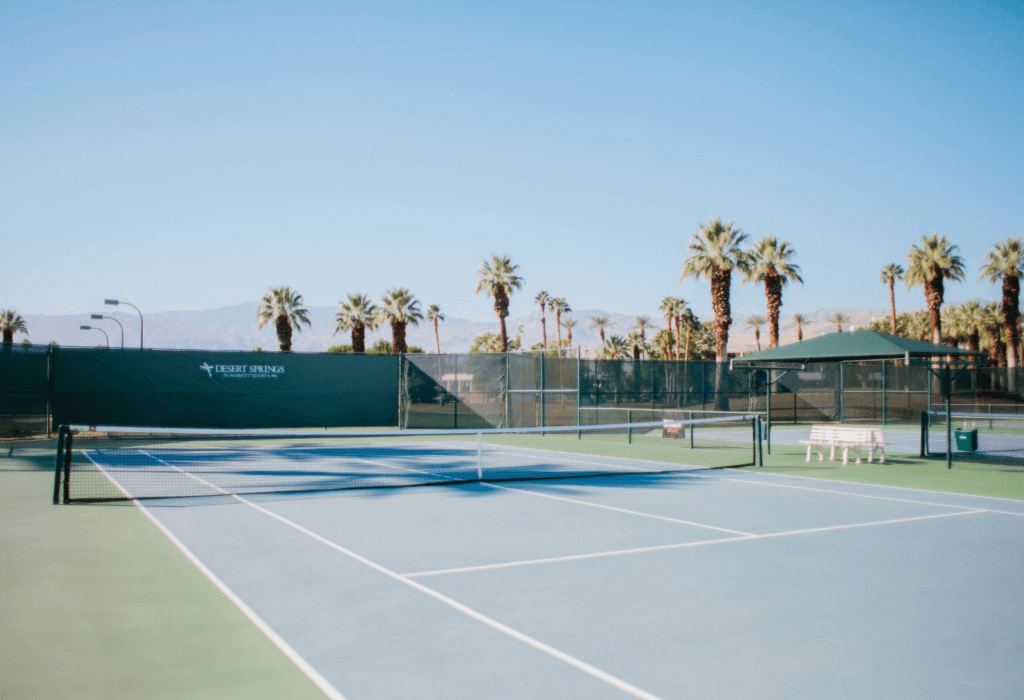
(464, 609)
(616, 509)
(275, 639)
(858, 495)
(682, 545)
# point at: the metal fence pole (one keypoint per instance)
(883, 392)
(543, 416)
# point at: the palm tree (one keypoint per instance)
(919, 325)
(891, 274)
(498, 280)
(664, 339)
(973, 318)
(992, 327)
(838, 318)
(11, 322)
(929, 266)
(672, 308)
(636, 341)
(642, 325)
(356, 315)
(559, 306)
(771, 265)
(599, 323)
(615, 348)
(435, 316)
(714, 252)
(799, 320)
(400, 309)
(756, 322)
(1006, 261)
(284, 307)
(568, 324)
(953, 326)
(542, 299)
(692, 323)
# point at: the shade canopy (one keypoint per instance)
(858, 345)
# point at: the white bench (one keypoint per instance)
(846, 438)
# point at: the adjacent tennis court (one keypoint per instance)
(672, 582)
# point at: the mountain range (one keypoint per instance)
(234, 328)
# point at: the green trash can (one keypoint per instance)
(967, 440)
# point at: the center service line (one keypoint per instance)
(464, 609)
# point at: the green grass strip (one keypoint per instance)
(97, 603)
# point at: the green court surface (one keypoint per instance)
(902, 470)
(96, 602)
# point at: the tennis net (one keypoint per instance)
(108, 463)
(976, 436)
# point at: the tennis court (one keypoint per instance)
(654, 583)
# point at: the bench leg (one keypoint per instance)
(858, 453)
(882, 460)
(832, 454)
(846, 456)
(808, 454)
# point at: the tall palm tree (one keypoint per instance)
(599, 323)
(284, 306)
(435, 316)
(636, 341)
(692, 323)
(714, 253)
(755, 322)
(672, 308)
(11, 322)
(568, 324)
(559, 306)
(1006, 261)
(642, 325)
(771, 265)
(891, 274)
(838, 318)
(498, 280)
(400, 309)
(542, 299)
(799, 320)
(930, 265)
(356, 315)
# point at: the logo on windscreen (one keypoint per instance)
(243, 371)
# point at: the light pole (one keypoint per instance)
(115, 302)
(94, 328)
(97, 317)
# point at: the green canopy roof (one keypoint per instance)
(859, 345)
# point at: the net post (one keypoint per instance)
(949, 434)
(629, 430)
(67, 466)
(479, 456)
(61, 432)
(924, 433)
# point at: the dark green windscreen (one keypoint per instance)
(205, 389)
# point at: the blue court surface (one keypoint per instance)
(713, 584)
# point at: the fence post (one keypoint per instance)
(629, 430)
(479, 456)
(543, 417)
(883, 392)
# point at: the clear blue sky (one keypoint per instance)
(190, 155)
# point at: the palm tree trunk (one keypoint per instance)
(359, 338)
(933, 293)
(398, 345)
(773, 294)
(544, 329)
(284, 332)
(569, 331)
(437, 338)
(687, 356)
(600, 330)
(1011, 313)
(8, 337)
(501, 310)
(799, 333)
(504, 334)
(757, 337)
(721, 281)
(892, 303)
(679, 335)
